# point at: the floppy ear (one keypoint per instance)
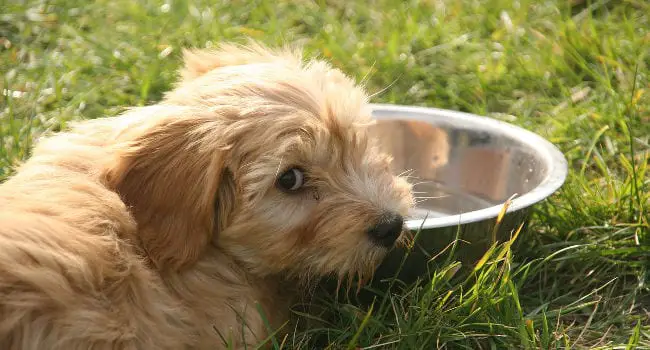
(172, 175)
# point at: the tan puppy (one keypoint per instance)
(171, 226)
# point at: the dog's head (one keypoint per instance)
(266, 157)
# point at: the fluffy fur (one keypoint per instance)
(162, 228)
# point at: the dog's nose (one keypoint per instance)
(387, 230)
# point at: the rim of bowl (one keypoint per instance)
(551, 156)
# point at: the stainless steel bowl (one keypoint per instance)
(465, 168)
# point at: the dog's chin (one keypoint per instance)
(360, 267)
(364, 265)
(367, 259)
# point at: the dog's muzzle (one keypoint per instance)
(387, 230)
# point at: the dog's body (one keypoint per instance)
(168, 227)
(71, 273)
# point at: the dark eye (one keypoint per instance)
(291, 180)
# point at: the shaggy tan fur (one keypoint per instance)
(162, 228)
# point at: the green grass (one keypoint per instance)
(575, 72)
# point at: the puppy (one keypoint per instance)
(181, 225)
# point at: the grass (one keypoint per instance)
(575, 72)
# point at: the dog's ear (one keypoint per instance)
(171, 175)
(200, 61)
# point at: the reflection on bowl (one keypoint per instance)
(464, 168)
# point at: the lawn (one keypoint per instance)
(576, 72)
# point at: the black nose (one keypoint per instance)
(387, 230)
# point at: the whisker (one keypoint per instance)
(422, 199)
(385, 89)
(406, 172)
(366, 77)
(277, 171)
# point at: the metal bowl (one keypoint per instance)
(464, 167)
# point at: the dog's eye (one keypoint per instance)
(291, 180)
